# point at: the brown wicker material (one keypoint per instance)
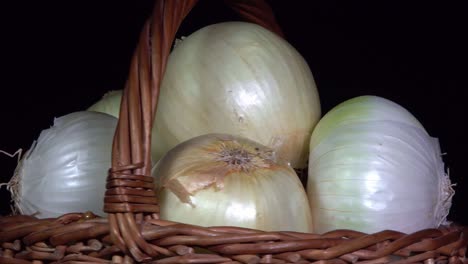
(80, 238)
(132, 231)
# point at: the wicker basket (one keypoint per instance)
(132, 231)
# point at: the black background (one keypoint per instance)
(58, 57)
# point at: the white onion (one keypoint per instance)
(219, 179)
(236, 78)
(109, 103)
(363, 109)
(65, 170)
(372, 167)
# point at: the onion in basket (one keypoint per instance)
(220, 179)
(372, 167)
(236, 78)
(109, 103)
(65, 170)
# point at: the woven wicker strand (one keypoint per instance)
(131, 161)
(87, 240)
(132, 232)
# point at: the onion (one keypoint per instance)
(236, 78)
(363, 109)
(65, 169)
(372, 167)
(220, 179)
(108, 104)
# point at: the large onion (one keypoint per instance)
(219, 179)
(236, 78)
(362, 109)
(65, 170)
(372, 167)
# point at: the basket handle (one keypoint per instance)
(130, 196)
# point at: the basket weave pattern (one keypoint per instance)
(81, 238)
(132, 231)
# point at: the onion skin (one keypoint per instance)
(66, 168)
(109, 103)
(236, 78)
(363, 109)
(220, 179)
(373, 167)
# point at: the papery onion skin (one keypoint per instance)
(363, 109)
(66, 168)
(108, 104)
(237, 78)
(219, 179)
(372, 171)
